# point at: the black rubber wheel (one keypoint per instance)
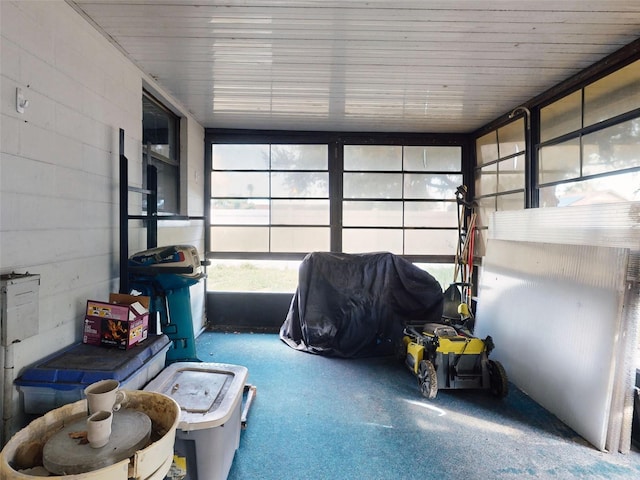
(499, 384)
(427, 379)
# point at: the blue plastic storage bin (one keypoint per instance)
(62, 377)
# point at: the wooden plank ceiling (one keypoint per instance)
(361, 65)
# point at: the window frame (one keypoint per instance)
(174, 187)
(491, 200)
(405, 198)
(335, 142)
(272, 229)
(539, 186)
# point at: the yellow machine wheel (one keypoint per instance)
(428, 379)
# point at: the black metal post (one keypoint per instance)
(124, 218)
(152, 206)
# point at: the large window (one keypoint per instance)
(160, 147)
(590, 143)
(586, 151)
(500, 170)
(400, 199)
(272, 203)
(269, 198)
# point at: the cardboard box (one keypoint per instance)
(122, 322)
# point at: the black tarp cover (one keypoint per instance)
(356, 305)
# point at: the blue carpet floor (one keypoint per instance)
(322, 418)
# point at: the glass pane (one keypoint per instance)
(299, 184)
(167, 178)
(300, 212)
(561, 117)
(374, 214)
(418, 185)
(512, 201)
(239, 239)
(239, 184)
(371, 240)
(159, 129)
(244, 275)
(372, 185)
(430, 214)
(511, 138)
(299, 157)
(430, 242)
(511, 174)
(559, 162)
(486, 206)
(303, 239)
(239, 157)
(434, 159)
(548, 197)
(373, 157)
(240, 212)
(622, 187)
(443, 272)
(487, 148)
(612, 95)
(487, 180)
(160, 148)
(611, 149)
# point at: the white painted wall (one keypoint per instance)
(59, 164)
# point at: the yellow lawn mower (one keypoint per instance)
(442, 357)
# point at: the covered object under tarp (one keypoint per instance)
(356, 305)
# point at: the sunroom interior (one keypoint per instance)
(278, 130)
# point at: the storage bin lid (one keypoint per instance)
(82, 364)
(197, 391)
(206, 392)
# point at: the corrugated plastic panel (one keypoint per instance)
(555, 314)
(627, 363)
(607, 225)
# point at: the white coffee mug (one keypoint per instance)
(104, 395)
(99, 428)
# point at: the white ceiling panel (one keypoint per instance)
(361, 65)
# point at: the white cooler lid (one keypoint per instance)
(207, 393)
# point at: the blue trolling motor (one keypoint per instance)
(165, 274)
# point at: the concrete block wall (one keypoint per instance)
(59, 164)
